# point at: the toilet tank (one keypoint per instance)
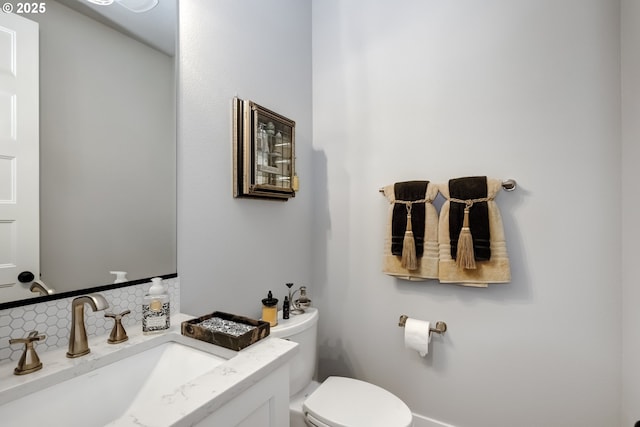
(301, 329)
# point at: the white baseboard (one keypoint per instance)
(422, 421)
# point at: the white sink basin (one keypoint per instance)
(163, 380)
(103, 395)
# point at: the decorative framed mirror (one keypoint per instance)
(263, 152)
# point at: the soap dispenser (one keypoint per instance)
(121, 276)
(156, 309)
(270, 309)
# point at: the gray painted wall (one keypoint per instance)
(630, 209)
(231, 252)
(436, 90)
(524, 90)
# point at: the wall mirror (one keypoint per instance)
(107, 145)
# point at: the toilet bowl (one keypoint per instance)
(338, 401)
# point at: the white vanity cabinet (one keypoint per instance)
(265, 404)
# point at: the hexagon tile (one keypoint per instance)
(53, 318)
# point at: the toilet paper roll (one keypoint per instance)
(416, 336)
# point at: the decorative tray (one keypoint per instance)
(226, 330)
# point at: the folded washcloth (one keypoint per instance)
(412, 226)
(473, 250)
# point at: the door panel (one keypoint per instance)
(19, 153)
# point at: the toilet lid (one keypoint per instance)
(346, 402)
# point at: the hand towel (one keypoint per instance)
(477, 196)
(411, 200)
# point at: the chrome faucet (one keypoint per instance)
(78, 344)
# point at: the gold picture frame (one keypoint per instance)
(263, 152)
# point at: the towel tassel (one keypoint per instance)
(465, 257)
(409, 257)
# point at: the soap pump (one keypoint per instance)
(156, 309)
(121, 276)
(270, 309)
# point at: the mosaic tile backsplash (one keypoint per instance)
(53, 318)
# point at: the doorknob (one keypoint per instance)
(26, 277)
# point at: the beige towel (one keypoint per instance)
(428, 262)
(494, 270)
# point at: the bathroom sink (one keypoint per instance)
(134, 384)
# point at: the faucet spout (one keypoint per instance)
(40, 288)
(78, 343)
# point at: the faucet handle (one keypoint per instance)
(29, 361)
(118, 334)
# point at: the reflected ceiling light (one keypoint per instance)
(138, 6)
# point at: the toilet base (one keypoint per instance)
(296, 415)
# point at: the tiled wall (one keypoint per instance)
(53, 318)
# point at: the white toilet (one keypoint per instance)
(338, 401)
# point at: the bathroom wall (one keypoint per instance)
(431, 90)
(630, 208)
(231, 252)
(435, 90)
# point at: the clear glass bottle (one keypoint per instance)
(266, 149)
(156, 308)
(261, 141)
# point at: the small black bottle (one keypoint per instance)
(285, 308)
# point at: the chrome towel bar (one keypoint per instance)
(507, 185)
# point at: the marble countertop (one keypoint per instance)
(205, 394)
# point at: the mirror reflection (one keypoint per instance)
(107, 145)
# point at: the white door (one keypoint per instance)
(19, 155)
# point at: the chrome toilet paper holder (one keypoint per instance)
(440, 328)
